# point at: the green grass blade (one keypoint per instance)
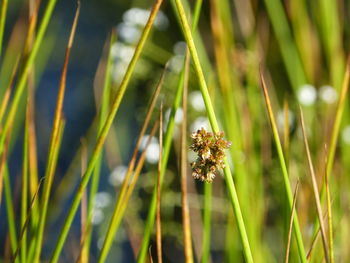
(187, 239)
(10, 213)
(102, 117)
(55, 141)
(338, 118)
(207, 223)
(166, 151)
(104, 132)
(330, 219)
(291, 223)
(284, 172)
(23, 77)
(119, 209)
(158, 212)
(113, 225)
(289, 52)
(315, 189)
(215, 127)
(24, 201)
(3, 11)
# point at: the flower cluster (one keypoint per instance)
(210, 149)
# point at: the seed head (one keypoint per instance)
(210, 149)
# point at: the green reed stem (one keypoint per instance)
(4, 4)
(143, 254)
(284, 172)
(103, 134)
(215, 127)
(24, 74)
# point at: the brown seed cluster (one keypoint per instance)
(210, 149)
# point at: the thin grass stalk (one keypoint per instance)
(315, 189)
(55, 140)
(184, 165)
(11, 220)
(286, 130)
(102, 117)
(120, 209)
(84, 232)
(38, 238)
(215, 127)
(329, 14)
(158, 215)
(23, 76)
(336, 128)
(338, 118)
(10, 213)
(3, 108)
(34, 6)
(150, 255)
(137, 171)
(290, 55)
(104, 132)
(25, 226)
(24, 195)
(166, 151)
(286, 260)
(68, 183)
(196, 14)
(314, 239)
(7, 95)
(84, 210)
(207, 223)
(329, 217)
(3, 165)
(4, 4)
(284, 170)
(126, 181)
(32, 158)
(125, 184)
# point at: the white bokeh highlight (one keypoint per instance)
(328, 94)
(307, 95)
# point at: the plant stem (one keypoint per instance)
(215, 127)
(284, 171)
(103, 134)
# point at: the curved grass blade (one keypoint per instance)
(291, 223)
(215, 127)
(26, 223)
(158, 218)
(10, 212)
(289, 52)
(125, 185)
(119, 209)
(105, 101)
(315, 189)
(167, 144)
(23, 76)
(24, 202)
(55, 140)
(329, 217)
(4, 4)
(284, 170)
(338, 118)
(184, 198)
(104, 132)
(7, 95)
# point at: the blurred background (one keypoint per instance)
(302, 48)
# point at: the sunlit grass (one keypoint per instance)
(165, 72)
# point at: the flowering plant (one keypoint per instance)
(210, 149)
